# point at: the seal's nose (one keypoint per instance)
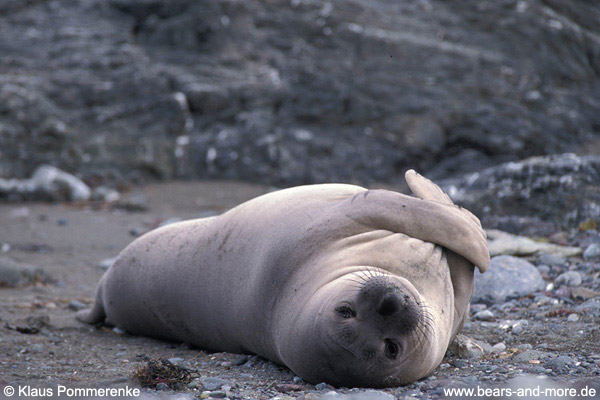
(389, 304)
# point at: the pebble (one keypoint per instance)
(62, 221)
(16, 274)
(175, 360)
(551, 259)
(519, 327)
(573, 318)
(118, 331)
(105, 194)
(77, 305)
(507, 277)
(218, 394)
(321, 386)
(499, 347)
(106, 263)
(484, 315)
(529, 355)
(592, 252)
(211, 383)
(559, 363)
(162, 386)
(569, 278)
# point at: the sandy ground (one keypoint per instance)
(69, 241)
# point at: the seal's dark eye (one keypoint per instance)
(345, 312)
(391, 349)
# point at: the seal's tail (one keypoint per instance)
(95, 314)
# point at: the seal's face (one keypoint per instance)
(369, 328)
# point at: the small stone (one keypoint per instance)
(218, 394)
(175, 360)
(559, 363)
(162, 386)
(211, 383)
(507, 277)
(465, 347)
(288, 387)
(592, 252)
(62, 221)
(240, 360)
(226, 364)
(321, 386)
(106, 263)
(169, 221)
(16, 274)
(529, 355)
(76, 305)
(584, 293)
(105, 194)
(518, 326)
(551, 259)
(573, 318)
(118, 331)
(499, 347)
(484, 315)
(459, 363)
(569, 278)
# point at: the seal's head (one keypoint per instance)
(371, 328)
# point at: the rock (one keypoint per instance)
(15, 274)
(507, 277)
(218, 394)
(141, 108)
(358, 395)
(321, 386)
(518, 327)
(529, 355)
(288, 387)
(499, 347)
(211, 383)
(133, 202)
(584, 293)
(551, 259)
(503, 243)
(466, 347)
(106, 263)
(559, 189)
(592, 252)
(77, 305)
(162, 386)
(569, 278)
(573, 318)
(559, 363)
(105, 194)
(484, 315)
(46, 183)
(591, 306)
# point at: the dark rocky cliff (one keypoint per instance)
(290, 92)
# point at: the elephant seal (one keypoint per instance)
(341, 284)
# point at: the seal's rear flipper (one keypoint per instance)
(95, 314)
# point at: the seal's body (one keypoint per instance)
(339, 283)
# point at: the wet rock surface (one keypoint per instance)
(289, 92)
(552, 331)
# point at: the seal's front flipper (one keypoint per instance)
(425, 189)
(432, 221)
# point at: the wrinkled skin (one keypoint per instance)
(341, 284)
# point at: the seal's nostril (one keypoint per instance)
(389, 305)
